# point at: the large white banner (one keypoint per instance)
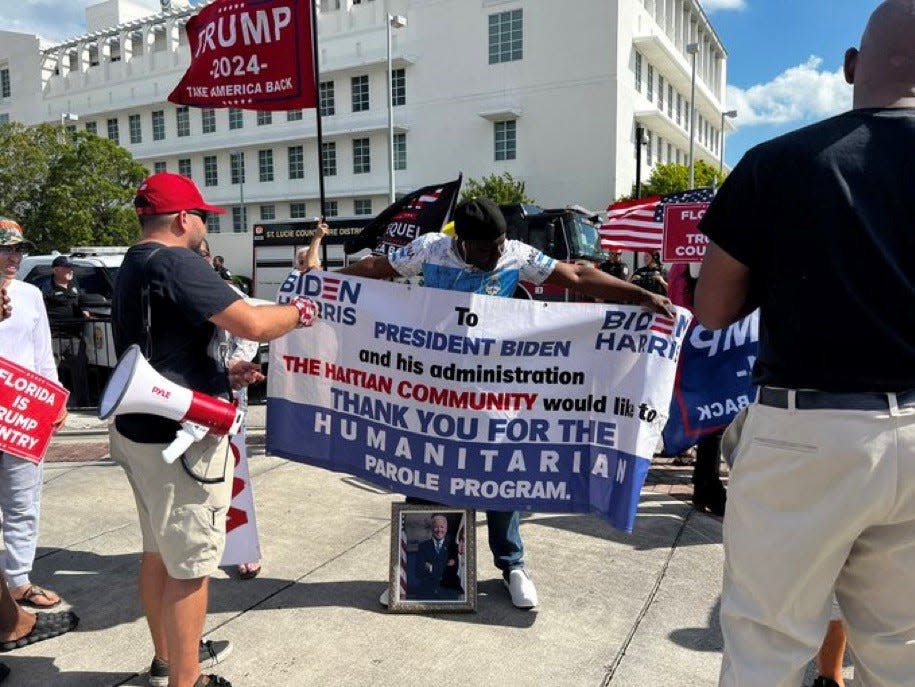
(472, 400)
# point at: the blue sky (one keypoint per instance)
(785, 62)
(784, 67)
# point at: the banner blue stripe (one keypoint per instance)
(519, 476)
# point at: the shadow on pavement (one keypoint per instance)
(35, 671)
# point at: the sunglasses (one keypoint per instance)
(202, 214)
(9, 250)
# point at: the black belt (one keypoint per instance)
(832, 400)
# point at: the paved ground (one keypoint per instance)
(637, 610)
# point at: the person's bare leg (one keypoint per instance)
(832, 652)
(184, 607)
(152, 589)
(14, 622)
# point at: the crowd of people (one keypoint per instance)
(818, 531)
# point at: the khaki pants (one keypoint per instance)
(819, 499)
(181, 519)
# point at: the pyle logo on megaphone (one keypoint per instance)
(135, 387)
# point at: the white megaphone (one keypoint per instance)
(135, 387)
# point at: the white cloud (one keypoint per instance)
(53, 20)
(799, 94)
(714, 5)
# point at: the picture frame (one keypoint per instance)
(433, 562)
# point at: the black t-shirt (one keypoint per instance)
(184, 293)
(615, 269)
(649, 278)
(62, 305)
(824, 218)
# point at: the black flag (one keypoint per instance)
(426, 209)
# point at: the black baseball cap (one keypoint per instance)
(479, 219)
(62, 261)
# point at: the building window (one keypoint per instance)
(638, 71)
(296, 157)
(670, 102)
(326, 96)
(362, 163)
(293, 115)
(184, 166)
(114, 133)
(330, 208)
(328, 5)
(210, 171)
(400, 151)
(329, 158)
(114, 50)
(679, 108)
(92, 127)
(236, 119)
(687, 124)
(213, 223)
(265, 165)
(649, 83)
(670, 153)
(5, 119)
(5, 91)
(208, 120)
(158, 125)
(93, 56)
(505, 37)
(237, 167)
(136, 43)
(362, 206)
(360, 88)
(239, 218)
(399, 87)
(264, 117)
(71, 128)
(159, 167)
(505, 140)
(297, 210)
(649, 149)
(183, 121)
(268, 212)
(136, 133)
(159, 39)
(660, 93)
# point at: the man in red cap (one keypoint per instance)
(169, 301)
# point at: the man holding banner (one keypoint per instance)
(169, 301)
(25, 339)
(481, 260)
(821, 493)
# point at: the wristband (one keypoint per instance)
(308, 311)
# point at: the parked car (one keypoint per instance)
(94, 271)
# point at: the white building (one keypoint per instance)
(550, 91)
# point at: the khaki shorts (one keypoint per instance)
(181, 519)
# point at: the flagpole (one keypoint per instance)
(314, 48)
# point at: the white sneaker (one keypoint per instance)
(385, 598)
(521, 588)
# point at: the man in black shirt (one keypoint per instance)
(821, 494)
(182, 506)
(66, 317)
(650, 276)
(614, 265)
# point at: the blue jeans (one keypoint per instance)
(20, 503)
(504, 536)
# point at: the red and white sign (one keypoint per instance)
(29, 404)
(683, 242)
(242, 541)
(250, 54)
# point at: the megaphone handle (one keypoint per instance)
(189, 433)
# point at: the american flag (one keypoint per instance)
(330, 288)
(662, 325)
(638, 225)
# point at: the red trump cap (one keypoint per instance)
(166, 193)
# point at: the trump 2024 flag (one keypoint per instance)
(250, 54)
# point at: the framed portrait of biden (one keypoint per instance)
(433, 559)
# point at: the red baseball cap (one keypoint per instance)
(166, 193)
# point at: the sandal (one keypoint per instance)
(47, 625)
(34, 591)
(248, 571)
